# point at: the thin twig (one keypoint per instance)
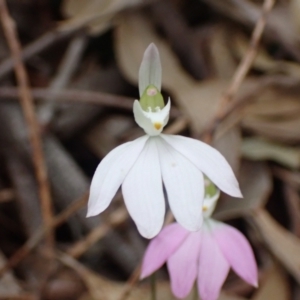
(22, 296)
(153, 287)
(71, 96)
(135, 276)
(34, 240)
(242, 69)
(55, 35)
(78, 96)
(34, 48)
(68, 66)
(292, 201)
(31, 120)
(116, 218)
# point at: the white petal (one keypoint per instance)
(141, 118)
(143, 192)
(166, 112)
(210, 161)
(152, 122)
(150, 69)
(110, 174)
(184, 185)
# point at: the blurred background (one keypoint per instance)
(82, 60)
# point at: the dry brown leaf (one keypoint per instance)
(275, 115)
(97, 15)
(229, 145)
(133, 36)
(273, 286)
(101, 288)
(289, 177)
(221, 56)
(275, 103)
(259, 149)
(294, 10)
(279, 27)
(103, 137)
(163, 293)
(256, 185)
(225, 296)
(286, 130)
(263, 61)
(283, 244)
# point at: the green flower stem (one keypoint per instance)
(153, 287)
(195, 293)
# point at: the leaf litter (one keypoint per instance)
(259, 136)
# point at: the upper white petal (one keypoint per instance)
(150, 69)
(184, 185)
(210, 161)
(149, 120)
(110, 174)
(143, 192)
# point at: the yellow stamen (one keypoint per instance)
(157, 125)
(204, 208)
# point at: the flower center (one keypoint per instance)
(210, 199)
(157, 125)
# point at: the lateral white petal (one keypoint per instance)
(143, 192)
(150, 120)
(210, 161)
(110, 174)
(184, 185)
(166, 112)
(142, 120)
(150, 69)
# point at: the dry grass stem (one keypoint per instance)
(29, 113)
(242, 69)
(34, 241)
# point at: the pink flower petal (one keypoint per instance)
(161, 247)
(237, 251)
(182, 265)
(213, 267)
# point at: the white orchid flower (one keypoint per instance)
(147, 165)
